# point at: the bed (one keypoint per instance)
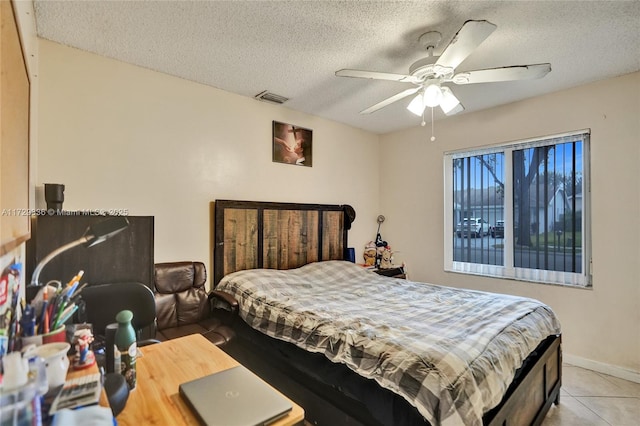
(359, 348)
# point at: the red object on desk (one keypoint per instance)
(91, 360)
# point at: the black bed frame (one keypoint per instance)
(250, 234)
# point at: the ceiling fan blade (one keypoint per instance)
(376, 75)
(389, 101)
(516, 72)
(468, 37)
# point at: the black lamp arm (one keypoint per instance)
(95, 234)
(36, 272)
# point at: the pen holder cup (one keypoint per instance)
(55, 359)
(57, 335)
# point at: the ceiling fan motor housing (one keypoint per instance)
(427, 69)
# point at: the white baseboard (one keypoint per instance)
(601, 367)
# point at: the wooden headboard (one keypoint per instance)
(254, 234)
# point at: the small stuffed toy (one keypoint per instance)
(385, 262)
(370, 253)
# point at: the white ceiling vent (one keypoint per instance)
(267, 96)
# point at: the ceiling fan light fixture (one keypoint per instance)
(416, 106)
(432, 95)
(449, 101)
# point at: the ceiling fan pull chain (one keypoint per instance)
(424, 123)
(433, 138)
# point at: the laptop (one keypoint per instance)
(234, 397)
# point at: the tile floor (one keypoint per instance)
(588, 398)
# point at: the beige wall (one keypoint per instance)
(601, 327)
(119, 136)
(123, 137)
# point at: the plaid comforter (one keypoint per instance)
(450, 352)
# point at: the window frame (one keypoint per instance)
(508, 270)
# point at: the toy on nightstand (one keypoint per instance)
(385, 262)
(377, 253)
(84, 356)
(370, 254)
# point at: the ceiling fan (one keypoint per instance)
(429, 74)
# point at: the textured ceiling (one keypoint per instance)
(293, 48)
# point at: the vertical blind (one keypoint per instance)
(520, 210)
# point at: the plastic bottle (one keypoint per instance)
(20, 396)
(125, 340)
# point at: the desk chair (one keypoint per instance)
(102, 304)
(104, 301)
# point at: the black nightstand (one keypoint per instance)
(395, 272)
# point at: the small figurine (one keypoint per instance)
(370, 253)
(385, 262)
(84, 356)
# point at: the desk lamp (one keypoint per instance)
(95, 234)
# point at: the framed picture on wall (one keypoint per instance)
(292, 144)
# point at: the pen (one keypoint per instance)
(77, 277)
(45, 302)
(48, 316)
(61, 307)
(28, 321)
(64, 314)
(31, 326)
(68, 314)
(69, 307)
(45, 321)
(72, 289)
(53, 306)
(76, 294)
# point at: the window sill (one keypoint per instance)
(523, 280)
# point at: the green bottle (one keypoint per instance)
(125, 340)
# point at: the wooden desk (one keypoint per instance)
(163, 367)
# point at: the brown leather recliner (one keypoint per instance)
(183, 305)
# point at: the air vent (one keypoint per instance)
(267, 96)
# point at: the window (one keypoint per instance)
(520, 210)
